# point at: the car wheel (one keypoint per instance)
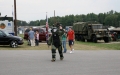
(14, 44)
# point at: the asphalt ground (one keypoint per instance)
(38, 62)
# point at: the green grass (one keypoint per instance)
(111, 45)
(77, 46)
(21, 35)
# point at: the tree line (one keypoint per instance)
(111, 18)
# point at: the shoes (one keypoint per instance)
(64, 52)
(71, 52)
(61, 58)
(53, 60)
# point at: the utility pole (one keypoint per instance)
(119, 23)
(54, 18)
(15, 21)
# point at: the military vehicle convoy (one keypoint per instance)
(92, 32)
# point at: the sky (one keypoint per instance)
(31, 10)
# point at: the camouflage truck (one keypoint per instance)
(90, 32)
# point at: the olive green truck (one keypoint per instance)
(91, 32)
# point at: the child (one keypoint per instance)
(36, 38)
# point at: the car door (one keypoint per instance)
(3, 39)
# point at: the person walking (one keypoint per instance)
(70, 38)
(64, 37)
(37, 38)
(31, 35)
(55, 40)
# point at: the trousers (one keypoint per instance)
(53, 50)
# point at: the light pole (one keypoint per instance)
(15, 21)
(54, 18)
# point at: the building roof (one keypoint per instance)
(6, 18)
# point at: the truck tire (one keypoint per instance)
(82, 39)
(78, 38)
(106, 39)
(94, 39)
(88, 40)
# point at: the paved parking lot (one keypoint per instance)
(37, 62)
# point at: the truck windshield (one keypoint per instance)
(97, 26)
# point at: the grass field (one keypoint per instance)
(77, 46)
(109, 46)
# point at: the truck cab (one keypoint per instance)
(97, 32)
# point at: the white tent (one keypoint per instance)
(111, 28)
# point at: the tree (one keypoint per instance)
(111, 20)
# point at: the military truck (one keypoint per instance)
(90, 31)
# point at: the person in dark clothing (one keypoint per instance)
(55, 40)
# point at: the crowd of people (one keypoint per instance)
(66, 37)
(57, 40)
(33, 37)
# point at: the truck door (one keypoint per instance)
(89, 31)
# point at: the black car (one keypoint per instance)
(8, 39)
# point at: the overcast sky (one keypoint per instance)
(31, 10)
